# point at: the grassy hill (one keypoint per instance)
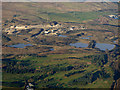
(73, 12)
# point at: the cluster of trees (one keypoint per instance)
(13, 84)
(14, 66)
(89, 78)
(56, 68)
(53, 83)
(98, 60)
(72, 73)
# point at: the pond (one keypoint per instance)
(88, 37)
(52, 49)
(20, 45)
(82, 45)
(104, 46)
(84, 37)
(114, 41)
(62, 35)
(101, 46)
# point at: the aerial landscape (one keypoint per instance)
(60, 45)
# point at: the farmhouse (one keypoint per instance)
(46, 32)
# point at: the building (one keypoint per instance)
(46, 32)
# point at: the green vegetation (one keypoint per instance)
(53, 75)
(51, 62)
(74, 16)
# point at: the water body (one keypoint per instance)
(20, 45)
(90, 36)
(52, 49)
(101, 46)
(82, 45)
(114, 41)
(104, 46)
(62, 35)
(85, 38)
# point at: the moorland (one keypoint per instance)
(51, 45)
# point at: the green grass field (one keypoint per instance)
(59, 64)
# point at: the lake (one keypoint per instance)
(101, 46)
(20, 45)
(62, 35)
(88, 37)
(104, 46)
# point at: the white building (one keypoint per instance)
(46, 32)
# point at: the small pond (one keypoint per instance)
(114, 41)
(85, 38)
(101, 46)
(89, 36)
(62, 35)
(82, 45)
(52, 49)
(20, 45)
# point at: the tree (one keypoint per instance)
(92, 44)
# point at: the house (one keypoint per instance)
(46, 32)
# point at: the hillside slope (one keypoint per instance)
(39, 11)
